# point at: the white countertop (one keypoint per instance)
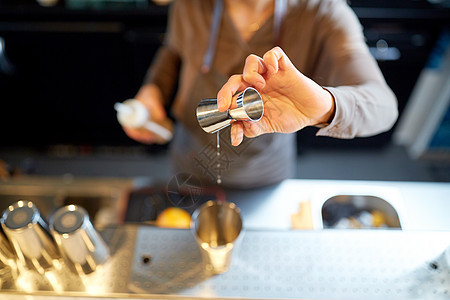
(420, 205)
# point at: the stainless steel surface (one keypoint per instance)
(111, 278)
(210, 118)
(250, 107)
(77, 239)
(155, 263)
(217, 227)
(29, 235)
(326, 264)
(273, 262)
(7, 256)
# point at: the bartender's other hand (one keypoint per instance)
(292, 101)
(150, 96)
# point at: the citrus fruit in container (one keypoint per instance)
(173, 217)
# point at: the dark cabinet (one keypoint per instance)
(62, 77)
(63, 85)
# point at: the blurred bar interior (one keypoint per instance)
(63, 66)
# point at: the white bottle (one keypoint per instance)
(132, 113)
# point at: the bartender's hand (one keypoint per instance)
(292, 101)
(150, 96)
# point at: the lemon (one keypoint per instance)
(378, 219)
(174, 217)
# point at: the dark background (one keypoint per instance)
(66, 66)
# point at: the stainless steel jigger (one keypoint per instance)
(250, 107)
(217, 227)
(77, 239)
(29, 235)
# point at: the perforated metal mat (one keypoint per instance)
(150, 262)
(329, 264)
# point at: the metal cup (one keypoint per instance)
(250, 107)
(217, 227)
(7, 256)
(29, 235)
(77, 239)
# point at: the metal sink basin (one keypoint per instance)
(358, 207)
(359, 212)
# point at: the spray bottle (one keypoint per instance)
(132, 113)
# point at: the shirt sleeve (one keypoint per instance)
(165, 67)
(365, 105)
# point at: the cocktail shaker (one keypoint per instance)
(217, 227)
(7, 256)
(250, 107)
(77, 239)
(29, 235)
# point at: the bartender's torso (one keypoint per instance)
(269, 158)
(261, 161)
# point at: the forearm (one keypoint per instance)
(363, 110)
(365, 105)
(150, 92)
(163, 73)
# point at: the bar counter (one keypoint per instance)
(272, 261)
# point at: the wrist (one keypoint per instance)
(329, 111)
(149, 91)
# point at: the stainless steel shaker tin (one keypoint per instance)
(217, 227)
(7, 256)
(29, 235)
(77, 239)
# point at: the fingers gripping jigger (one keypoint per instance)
(132, 113)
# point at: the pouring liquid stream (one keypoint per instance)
(219, 177)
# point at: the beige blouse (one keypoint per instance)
(324, 40)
